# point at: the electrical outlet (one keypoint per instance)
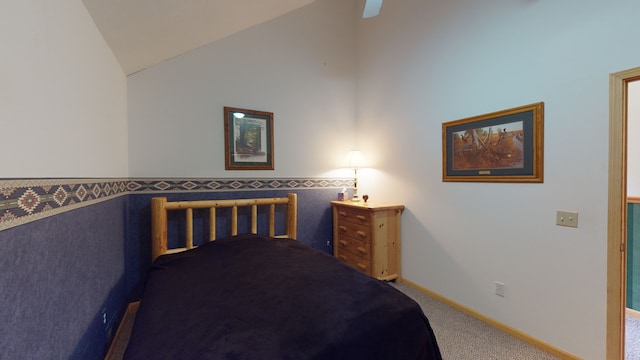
(499, 288)
(567, 218)
(328, 243)
(104, 316)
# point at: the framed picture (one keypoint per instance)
(504, 146)
(248, 139)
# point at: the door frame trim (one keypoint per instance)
(617, 211)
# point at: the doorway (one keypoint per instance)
(617, 209)
(632, 256)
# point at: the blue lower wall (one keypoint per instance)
(58, 275)
(62, 275)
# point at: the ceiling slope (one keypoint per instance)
(142, 33)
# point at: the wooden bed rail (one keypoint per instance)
(160, 206)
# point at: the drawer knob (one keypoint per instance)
(361, 233)
(362, 217)
(362, 266)
(344, 242)
(342, 213)
(343, 228)
(362, 250)
(344, 258)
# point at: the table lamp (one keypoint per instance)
(354, 161)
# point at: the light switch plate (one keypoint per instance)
(567, 218)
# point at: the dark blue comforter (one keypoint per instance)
(252, 297)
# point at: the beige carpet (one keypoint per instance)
(632, 338)
(462, 337)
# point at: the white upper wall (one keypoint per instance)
(62, 94)
(422, 63)
(299, 66)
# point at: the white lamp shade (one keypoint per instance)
(355, 159)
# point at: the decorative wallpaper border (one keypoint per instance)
(26, 200)
(191, 185)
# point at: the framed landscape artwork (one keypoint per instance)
(504, 146)
(248, 139)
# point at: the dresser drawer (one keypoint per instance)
(356, 262)
(354, 246)
(355, 231)
(355, 216)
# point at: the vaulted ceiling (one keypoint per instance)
(142, 33)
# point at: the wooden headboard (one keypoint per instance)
(160, 206)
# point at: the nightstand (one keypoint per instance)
(367, 237)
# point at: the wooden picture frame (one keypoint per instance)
(504, 146)
(248, 139)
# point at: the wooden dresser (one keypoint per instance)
(367, 237)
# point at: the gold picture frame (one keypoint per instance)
(503, 146)
(248, 139)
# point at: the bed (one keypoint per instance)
(252, 296)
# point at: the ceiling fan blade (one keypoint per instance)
(371, 8)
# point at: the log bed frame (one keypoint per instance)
(160, 206)
(159, 242)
